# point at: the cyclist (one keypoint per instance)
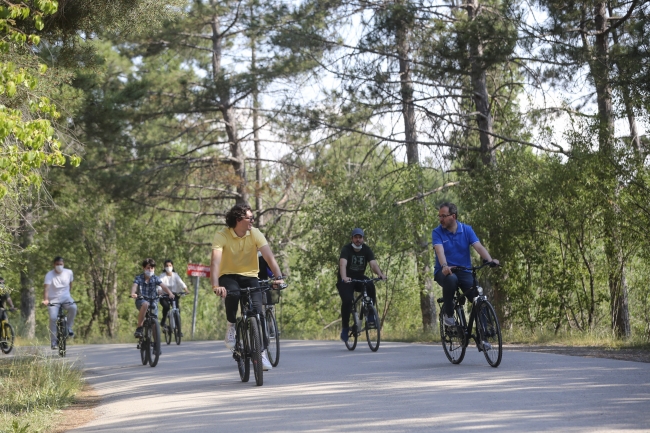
(145, 285)
(451, 241)
(353, 260)
(234, 264)
(5, 299)
(172, 280)
(57, 288)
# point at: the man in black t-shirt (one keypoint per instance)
(354, 258)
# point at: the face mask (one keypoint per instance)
(357, 248)
(168, 269)
(58, 268)
(148, 273)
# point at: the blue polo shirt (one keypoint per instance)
(455, 245)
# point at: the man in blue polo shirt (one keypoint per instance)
(451, 241)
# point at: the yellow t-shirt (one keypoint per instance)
(239, 255)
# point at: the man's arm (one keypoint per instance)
(46, 299)
(270, 261)
(134, 289)
(375, 268)
(483, 252)
(343, 263)
(440, 252)
(215, 263)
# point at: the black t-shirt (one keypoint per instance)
(3, 300)
(357, 261)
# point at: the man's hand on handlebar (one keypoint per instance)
(134, 295)
(278, 282)
(46, 302)
(447, 270)
(220, 291)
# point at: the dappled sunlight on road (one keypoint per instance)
(323, 387)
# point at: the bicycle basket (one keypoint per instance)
(272, 297)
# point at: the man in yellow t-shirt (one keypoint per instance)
(234, 264)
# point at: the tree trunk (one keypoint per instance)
(27, 292)
(627, 103)
(228, 113)
(406, 92)
(600, 71)
(256, 142)
(480, 92)
(423, 259)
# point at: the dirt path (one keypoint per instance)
(80, 413)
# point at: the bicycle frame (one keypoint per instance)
(459, 302)
(364, 298)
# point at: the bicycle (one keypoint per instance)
(61, 326)
(248, 337)
(173, 322)
(372, 329)
(271, 328)
(149, 342)
(7, 334)
(455, 339)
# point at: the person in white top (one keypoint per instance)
(172, 280)
(57, 287)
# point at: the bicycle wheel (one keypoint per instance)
(144, 351)
(243, 363)
(154, 345)
(490, 333)
(273, 350)
(255, 341)
(7, 342)
(177, 328)
(168, 328)
(62, 335)
(453, 341)
(351, 344)
(373, 332)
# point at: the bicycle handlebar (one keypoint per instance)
(271, 281)
(59, 303)
(369, 280)
(147, 298)
(474, 268)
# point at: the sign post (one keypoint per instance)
(197, 271)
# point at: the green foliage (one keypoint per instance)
(28, 139)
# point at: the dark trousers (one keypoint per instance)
(449, 284)
(346, 292)
(232, 283)
(167, 304)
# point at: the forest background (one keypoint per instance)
(129, 128)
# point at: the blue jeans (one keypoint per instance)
(449, 284)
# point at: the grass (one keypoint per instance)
(33, 388)
(597, 338)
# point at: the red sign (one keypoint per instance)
(196, 270)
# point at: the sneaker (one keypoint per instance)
(164, 330)
(54, 346)
(138, 332)
(486, 345)
(230, 336)
(448, 321)
(70, 333)
(266, 365)
(371, 318)
(345, 334)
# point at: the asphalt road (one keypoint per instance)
(320, 386)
